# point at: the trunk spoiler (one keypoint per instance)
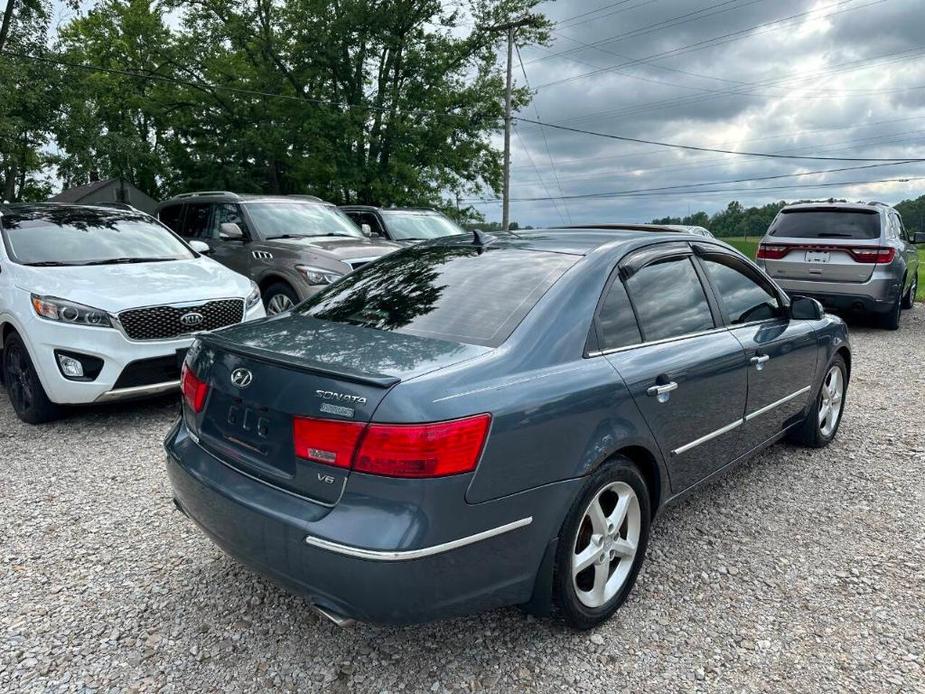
(370, 379)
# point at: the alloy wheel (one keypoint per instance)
(831, 399)
(278, 303)
(606, 544)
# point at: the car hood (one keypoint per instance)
(340, 247)
(115, 288)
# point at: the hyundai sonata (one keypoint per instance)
(482, 421)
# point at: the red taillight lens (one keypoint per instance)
(772, 252)
(867, 254)
(326, 441)
(194, 390)
(423, 450)
(394, 450)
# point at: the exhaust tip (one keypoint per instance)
(338, 620)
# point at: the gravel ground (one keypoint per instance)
(800, 571)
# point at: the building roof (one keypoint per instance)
(78, 193)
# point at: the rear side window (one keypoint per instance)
(172, 217)
(669, 300)
(827, 223)
(616, 322)
(743, 299)
(456, 293)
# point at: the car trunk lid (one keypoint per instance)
(316, 370)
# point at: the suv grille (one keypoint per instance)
(166, 322)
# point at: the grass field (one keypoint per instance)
(750, 245)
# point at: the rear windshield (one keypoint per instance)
(827, 224)
(450, 292)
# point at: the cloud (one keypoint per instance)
(845, 80)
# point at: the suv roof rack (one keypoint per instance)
(207, 192)
(301, 196)
(879, 204)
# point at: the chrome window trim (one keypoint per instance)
(777, 403)
(708, 437)
(404, 555)
(666, 340)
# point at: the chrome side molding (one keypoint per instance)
(405, 555)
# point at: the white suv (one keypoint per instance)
(99, 304)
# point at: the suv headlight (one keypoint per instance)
(63, 311)
(318, 275)
(254, 297)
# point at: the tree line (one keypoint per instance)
(738, 220)
(372, 101)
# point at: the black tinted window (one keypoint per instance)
(226, 212)
(827, 224)
(669, 300)
(742, 298)
(616, 321)
(198, 219)
(459, 293)
(173, 217)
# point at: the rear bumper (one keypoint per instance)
(391, 551)
(877, 295)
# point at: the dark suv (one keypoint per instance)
(402, 225)
(291, 246)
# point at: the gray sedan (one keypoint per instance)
(482, 421)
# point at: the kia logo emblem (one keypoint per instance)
(191, 319)
(242, 378)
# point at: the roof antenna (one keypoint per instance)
(480, 238)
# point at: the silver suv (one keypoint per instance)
(849, 256)
(291, 246)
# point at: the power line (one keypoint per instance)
(602, 16)
(694, 148)
(707, 43)
(726, 191)
(686, 186)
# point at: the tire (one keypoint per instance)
(588, 597)
(909, 297)
(811, 432)
(25, 390)
(279, 297)
(890, 319)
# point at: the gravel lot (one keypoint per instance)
(802, 570)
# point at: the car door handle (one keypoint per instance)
(760, 360)
(663, 393)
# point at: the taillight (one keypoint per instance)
(423, 450)
(772, 252)
(394, 450)
(869, 254)
(326, 441)
(194, 389)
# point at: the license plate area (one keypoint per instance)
(817, 256)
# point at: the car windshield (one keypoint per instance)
(406, 226)
(53, 236)
(276, 220)
(827, 223)
(459, 293)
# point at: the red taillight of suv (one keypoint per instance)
(435, 449)
(772, 252)
(194, 389)
(867, 254)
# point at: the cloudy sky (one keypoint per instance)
(834, 78)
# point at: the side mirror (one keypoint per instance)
(804, 308)
(918, 237)
(200, 247)
(366, 229)
(230, 231)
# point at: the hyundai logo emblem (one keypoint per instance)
(242, 378)
(192, 319)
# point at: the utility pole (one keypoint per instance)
(510, 27)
